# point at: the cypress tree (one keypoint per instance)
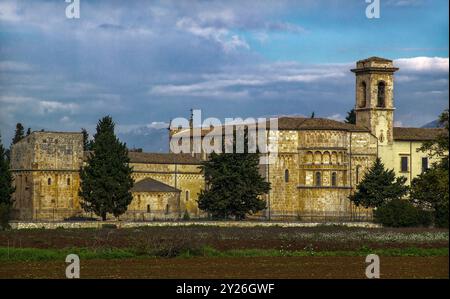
(351, 117)
(106, 180)
(87, 144)
(19, 133)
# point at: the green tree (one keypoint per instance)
(106, 180)
(234, 185)
(430, 190)
(379, 186)
(351, 117)
(313, 115)
(439, 146)
(19, 133)
(87, 144)
(28, 131)
(6, 188)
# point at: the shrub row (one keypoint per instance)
(402, 213)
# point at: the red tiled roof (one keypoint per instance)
(417, 134)
(151, 185)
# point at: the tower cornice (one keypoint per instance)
(374, 109)
(375, 70)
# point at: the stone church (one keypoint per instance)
(319, 163)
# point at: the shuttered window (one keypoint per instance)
(424, 164)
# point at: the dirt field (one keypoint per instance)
(257, 268)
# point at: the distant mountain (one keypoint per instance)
(432, 124)
(148, 138)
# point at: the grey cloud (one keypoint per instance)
(14, 66)
(287, 27)
(111, 27)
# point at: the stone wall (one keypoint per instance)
(314, 174)
(46, 167)
(185, 177)
(150, 206)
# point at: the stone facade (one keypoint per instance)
(315, 173)
(46, 169)
(46, 175)
(186, 176)
(319, 163)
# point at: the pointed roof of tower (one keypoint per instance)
(375, 64)
(375, 58)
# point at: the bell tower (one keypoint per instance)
(375, 97)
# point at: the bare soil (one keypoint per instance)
(257, 268)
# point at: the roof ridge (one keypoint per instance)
(416, 128)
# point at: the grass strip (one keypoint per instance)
(36, 254)
(413, 251)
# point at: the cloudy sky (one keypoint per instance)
(145, 62)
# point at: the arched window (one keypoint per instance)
(49, 181)
(167, 209)
(68, 181)
(326, 158)
(334, 158)
(363, 91)
(187, 195)
(334, 179)
(317, 158)
(318, 181)
(381, 94)
(286, 175)
(309, 157)
(148, 208)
